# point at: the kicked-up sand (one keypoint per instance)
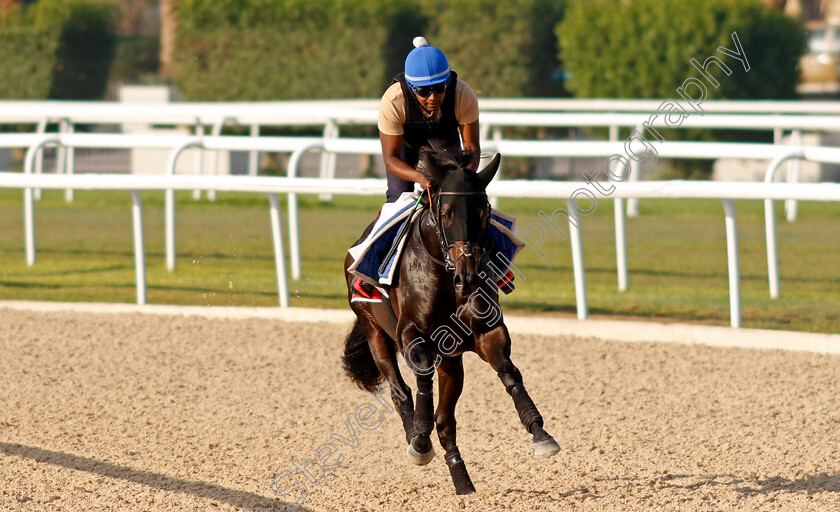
(156, 413)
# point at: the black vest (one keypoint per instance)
(418, 130)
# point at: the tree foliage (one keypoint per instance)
(261, 50)
(643, 48)
(504, 48)
(59, 49)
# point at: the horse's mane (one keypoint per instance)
(447, 158)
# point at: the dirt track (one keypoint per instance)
(132, 412)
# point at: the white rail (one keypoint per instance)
(181, 112)
(778, 116)
(299, 145)
(272, 186)
(640, 105)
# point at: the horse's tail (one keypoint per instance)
(358, 362)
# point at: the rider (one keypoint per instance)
(427, 101)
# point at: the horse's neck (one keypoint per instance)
(430, 236)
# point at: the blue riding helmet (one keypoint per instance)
(425, 65)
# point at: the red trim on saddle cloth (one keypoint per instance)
(507, 279)
(506, 283)
(362, 295)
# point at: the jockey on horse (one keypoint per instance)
(427, 102)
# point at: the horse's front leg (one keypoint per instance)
(419, 359)
(494, 347)
(450, 385)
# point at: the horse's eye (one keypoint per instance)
(446, 212)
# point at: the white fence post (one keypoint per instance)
(279, 257)
(70, 165)
(199, 157)
(254, 156)
(794, 168)
(770, 222)
(294, 230)
(732, 258)
(39, 158)
(328, 159)
(30, 162)
(217, 131)
(635, 175)
(620, 244)
(169, 214)
(577, 260)
(139, 246)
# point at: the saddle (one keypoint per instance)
(375, 258)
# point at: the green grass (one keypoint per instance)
(676, 257)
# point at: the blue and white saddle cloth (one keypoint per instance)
(370, 253)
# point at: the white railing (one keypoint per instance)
(637, 105)
(299, 145)
(799, 117)
(18, 111)
(536, 189)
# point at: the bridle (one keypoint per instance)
(466, 249)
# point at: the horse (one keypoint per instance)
(446, 302)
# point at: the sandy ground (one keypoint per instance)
(133, 412)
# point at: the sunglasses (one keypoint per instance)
(427, 90)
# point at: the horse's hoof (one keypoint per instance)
(545, 449)
(420, 459)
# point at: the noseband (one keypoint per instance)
(466, 249)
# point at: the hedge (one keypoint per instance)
(27, 59)
(59, 49)
(250, 50)
(254, 50)
(86, 45)
(503, 48)
(643, 48)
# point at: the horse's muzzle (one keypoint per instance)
(466, 279)
(465, 282)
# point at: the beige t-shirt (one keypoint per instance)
(392, 108)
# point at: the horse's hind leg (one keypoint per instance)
(384, 355)
(450, 385)
(494, 347)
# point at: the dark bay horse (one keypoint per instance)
(446, 302)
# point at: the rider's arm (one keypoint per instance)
(469, 136)
(391, 149)
(466, 111)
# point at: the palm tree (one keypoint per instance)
(168, 29)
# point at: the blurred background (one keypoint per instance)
(154, 52)
(258, 50)
(290, 49)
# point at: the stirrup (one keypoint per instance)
(361, 294)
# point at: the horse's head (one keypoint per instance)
(461, 211)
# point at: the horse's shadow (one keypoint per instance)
(244, 499)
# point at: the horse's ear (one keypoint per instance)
(486, 175)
